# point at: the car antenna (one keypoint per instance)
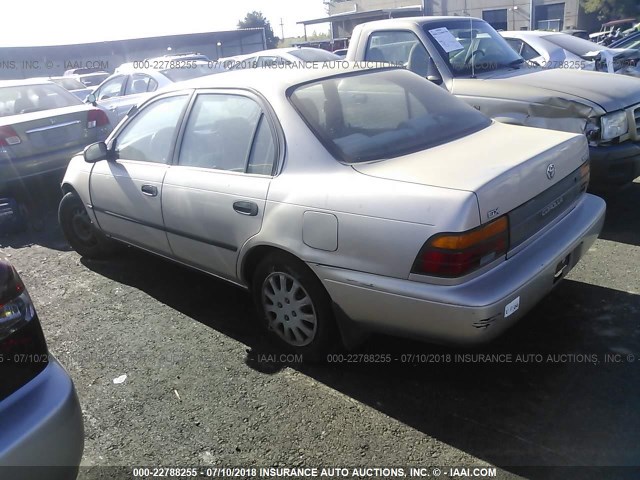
(473, 63)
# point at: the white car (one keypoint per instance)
(283, 56)
(133, 81)
(345, 200)
(559, 50)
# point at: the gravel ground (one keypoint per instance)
(202, 390)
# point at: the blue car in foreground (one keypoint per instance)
(41, 429)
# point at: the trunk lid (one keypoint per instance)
(50, 130)
(505, 166)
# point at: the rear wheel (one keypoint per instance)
(294, 307)
(81, 233)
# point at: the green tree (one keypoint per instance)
(611, 9)
(257, 20)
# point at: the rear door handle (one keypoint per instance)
(246, 208)
(150, 190)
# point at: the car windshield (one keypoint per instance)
(314, 55)
(15, 100)
(193, 70)
(384, 114)
(471, 46)
(575, 45)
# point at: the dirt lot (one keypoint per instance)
(201, 388)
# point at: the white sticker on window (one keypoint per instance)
(512, 307)
(446, 39)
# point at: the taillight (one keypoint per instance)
(8, 136)
(16, 308)
(457, 254)
(97, 118)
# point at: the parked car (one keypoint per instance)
(341, 52)
(41, 427)
(611, 31)
(558, 50)
(630, 41)
(345, 200)
(130, 84)
(73, 85)
(284, 56)
(41, 127)
(470, 59)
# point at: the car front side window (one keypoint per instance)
(220, 134)
(149, 136)
(112, 88)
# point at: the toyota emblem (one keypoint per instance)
(551, 171)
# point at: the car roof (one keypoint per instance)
(277, 78)
(534, 33)
(418, 20)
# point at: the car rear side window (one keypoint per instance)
(377, 115)
(227, 132)
(34, 98)
(148, 137)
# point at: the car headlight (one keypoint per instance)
(612, 125)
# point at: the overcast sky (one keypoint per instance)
(47, 22)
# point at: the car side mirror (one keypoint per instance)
(91, 98)
(433, 75)
(96, 152)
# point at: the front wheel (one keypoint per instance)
(294, 307)
(81, 233)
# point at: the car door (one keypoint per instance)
(109, 95)
(214, 196)
(126, 193)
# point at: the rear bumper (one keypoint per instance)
(614, 165)
(41, 426)
(472, 312)
(13, 171)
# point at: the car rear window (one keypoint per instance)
(68, 83)
(192, 70)
(314, 55)
(371, 116)
(575, 45)
(15, 100)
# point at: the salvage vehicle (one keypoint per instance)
(133, 81)
(41, 429)
(467, 57)
(346, 200)
(42, 126)
(282, 57)
(557, 50)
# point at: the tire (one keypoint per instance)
(81, 233)
(279, 282)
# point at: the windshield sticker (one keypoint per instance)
(446, 39)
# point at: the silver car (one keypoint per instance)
(41, 127)
(133, 81)
(41, 429)
(559, 50)
(345, 200)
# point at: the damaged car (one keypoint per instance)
(345, 200)
(558, 50)
(467, 57)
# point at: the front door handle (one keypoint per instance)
(246, 208)
(150, 190)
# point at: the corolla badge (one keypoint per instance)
(551, 171)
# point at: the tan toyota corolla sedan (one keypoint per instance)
(345, 199)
